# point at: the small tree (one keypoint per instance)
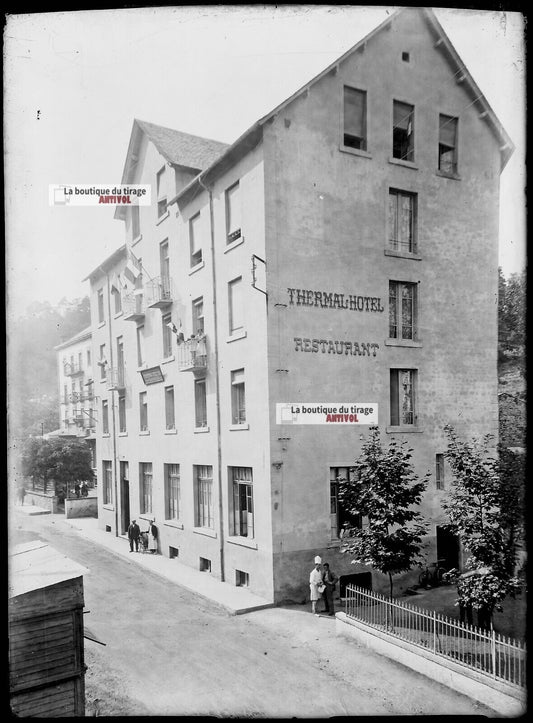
(476, 509)
(384, 488)
(57, 460)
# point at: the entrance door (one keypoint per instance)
(125, 495)
(447, 549)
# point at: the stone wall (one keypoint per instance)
(81, 507)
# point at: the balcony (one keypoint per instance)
(70, 369)
(75, 397)
(192, 355)
(115, 379)
(133, 305)
(159, 292)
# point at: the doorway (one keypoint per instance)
(447, 549)
(125, 496)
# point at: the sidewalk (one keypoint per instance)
(235, 600)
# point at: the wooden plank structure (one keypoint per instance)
(46, 645)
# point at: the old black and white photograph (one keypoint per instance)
(266, 398)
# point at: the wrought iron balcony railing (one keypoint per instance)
(134, 305)
(192, 355)
(72, 368)
(115, 378)
(159, 292)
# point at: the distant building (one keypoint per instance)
(77, 412)
(344, 250)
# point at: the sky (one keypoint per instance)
(74, 81)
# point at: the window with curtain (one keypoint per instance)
(172, 491)
(145, 484)
(203, 482)
(402, 310)
(402, 397)
(402, 221)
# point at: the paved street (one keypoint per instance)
(170, 652)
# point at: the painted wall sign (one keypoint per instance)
(341, 413)
(152, 376)
(331, 300)
(350, 348)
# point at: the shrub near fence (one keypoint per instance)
(484, 651)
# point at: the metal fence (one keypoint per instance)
(484, 651)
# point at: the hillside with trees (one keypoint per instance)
(33, 394)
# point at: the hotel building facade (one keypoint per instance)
(343, 250)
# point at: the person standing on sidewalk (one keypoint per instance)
(329, 579)
(315, 584)
(134, 532)
(152, 537)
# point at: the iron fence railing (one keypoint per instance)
(484, 651)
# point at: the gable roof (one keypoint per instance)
(252, 136)
(176, 147)
(183, 149)
(80, 336)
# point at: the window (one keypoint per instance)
(242, 579)
(402, 310)
(403, 131)
(161, 193)
(198, 316)
(238, 404)
(167, 335)
(145, 487)
(341, 520)
(402, 397)
(402, 221)
(120, 361)
(236, 319)
(172, 491)
(135, 222)
(205, 564)
(203, 496)
(122, 413)
(439, 471)
(102, 363)
(140, 345)
(405, 57)
(105, 417)
(243, 502)
(107, 481)
(354, 118)
(194, 240)
(164, 265)
(143, 411)
(100, 298)
(200, 403)
(88, 357)
(80, 361)
(233, 213)
(447, 144)
(117, 300)
(170, 421)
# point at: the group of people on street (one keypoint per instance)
(322, 583)
(148, 538)
(81, 490)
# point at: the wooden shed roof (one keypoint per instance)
(35, 565)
